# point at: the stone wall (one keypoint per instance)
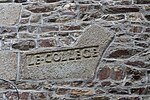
(110, 40)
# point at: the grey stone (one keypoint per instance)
(4, 1)
(9, 13)
(77, 62)
(8, 65)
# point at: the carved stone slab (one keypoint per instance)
(9, 13)
(77, 62)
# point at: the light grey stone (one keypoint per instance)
(77, 62)
(9, 13)
(8, 65)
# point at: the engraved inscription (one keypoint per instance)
(73, 54)
(77, 62)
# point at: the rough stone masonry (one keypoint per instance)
(74, 49)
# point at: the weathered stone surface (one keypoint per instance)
(25, 14)
(142, 1)
(40, 8)
(113, 17)
(130, 98)
(106, 83)
(77, 62)
(47, 43)
(24, 45)
(62, 91)
(139, 90)
(4, 30)
(136, 63)
(100, 98)
(81, 92)
(38, 96)
(51, 1)
(5, 1)
(104, 73)
(13, 95)
(135, 74)
(118, 91)
(123, 53)
(120, 9)
(11, 12)
(136, 29)
(20, 1)
(117, 73)
(8, 66)
(147, 17)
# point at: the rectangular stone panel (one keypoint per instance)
(60, 64)
(9, 13)
(8, 65)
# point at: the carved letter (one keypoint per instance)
(78, 54)
(56, 57)
(86, 53)
(38, 59)
(95, 52)
(48, 58)
(30, 60)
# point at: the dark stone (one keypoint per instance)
(147, 17)
(99, 92)
(142, 1)
(72, 26)
(104, 73)
(138, 91)
(147, 30)
(118, 91)
(135, 74)
(24, 45)
(51, 1)
(47, 43)
(129, 98)
(128, 83)
(100, 98)
(123, 53)
(120, 9)
(51, 19)
(136, 63)
(136, 77)
(20, 1)
(38, 96)
(61, 91)
(49, 28)
(143, 37)
(13, 95)
(144, 45)
(40, 8)
(106, 83)
(77, 83)
(136, 29)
